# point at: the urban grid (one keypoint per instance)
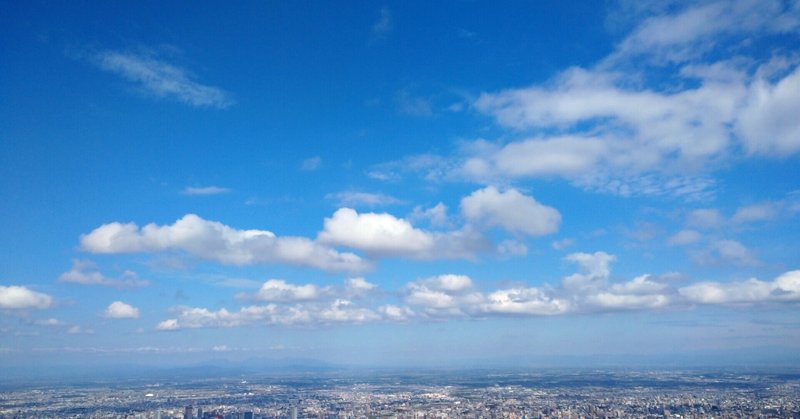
(423, 395)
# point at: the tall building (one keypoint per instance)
(294, 412)
(187, 413)
(248, 415)
(199, 413)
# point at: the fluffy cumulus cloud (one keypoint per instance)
(382, 234)
(640, 293)
(785, 287)
(768, 122)
(291, 305)
(443, 295)
(215, 241)
(524, 301)
(590, 290)
(83, 272)
(511, 210)
(16, 297)
(339, 311)
(594, 270)
(120, 310)
(280, 290)
(357, 288)
(435, 215)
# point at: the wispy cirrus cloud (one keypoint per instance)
(162, 79)
(204, 190)
(383, 26)
(84, 272)
(358, 198)
(310, 164)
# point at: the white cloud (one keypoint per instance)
(215, 241)
(684, 237)
(641, 285)
(566, 156)
(701, 25)
(279, 290)
(594, 270)
(620, 128)
(343, 311)
(768, 123)
(383, 26)
(634, 131)
(51, 322)
(162, 79)
(77, 330)
(357, 288)
(562, 243)
(395, 313)
(413, 105)
(756, 212)
(204, 190)
(511, 210)
(786, 287)
(338, 311)
(375, 233)
(627, 301)
(169, 324)
(432, 166)
(16, 297)
(705, 218)
(382, 234)
(311, 163)
(727, 252)
(512, 248)
(528, 301)
(436, 215)
(453, 295)
(120, 310)
(443, 295)
(289, 305)
(355, 199)
(83, 272)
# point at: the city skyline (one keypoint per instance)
(400, 183)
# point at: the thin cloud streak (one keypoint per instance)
(162, 79)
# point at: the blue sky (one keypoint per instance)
(399, 183)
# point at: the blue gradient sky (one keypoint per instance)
(399, 183)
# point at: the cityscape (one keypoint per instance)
(543, 393)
